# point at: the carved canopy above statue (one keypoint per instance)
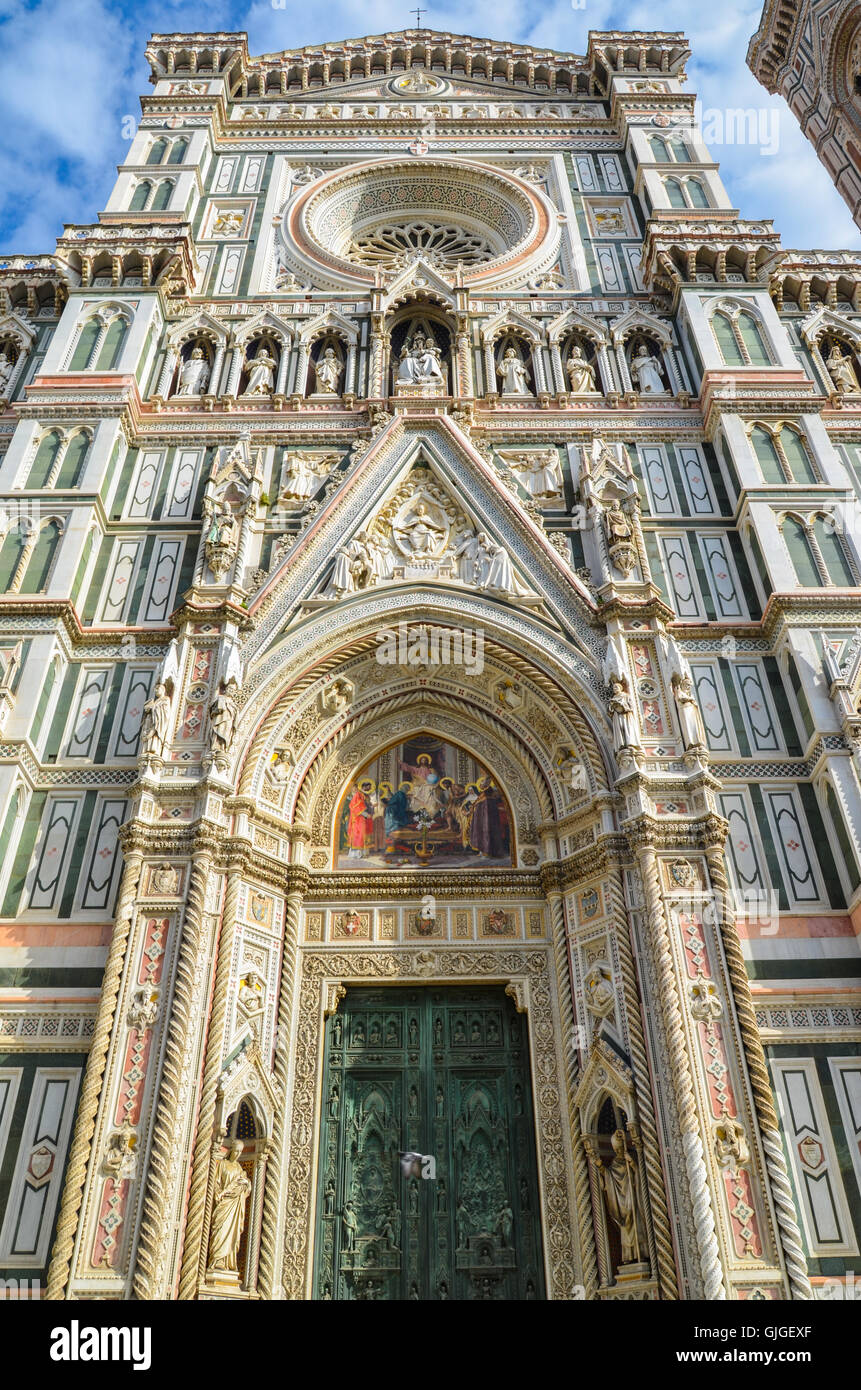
(423, 802)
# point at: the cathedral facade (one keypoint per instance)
(810, 52)
(429, 778)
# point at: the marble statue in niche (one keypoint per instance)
(841, 370)
(646, 371)
(193, 374)
(581, 373)
(327, 371)
(261, 380)
(232, 1187)
(513, 376)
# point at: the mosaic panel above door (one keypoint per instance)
(423, 802)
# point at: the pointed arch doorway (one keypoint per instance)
(442, 1072)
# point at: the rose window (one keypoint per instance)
(438, 244)
(368, 220)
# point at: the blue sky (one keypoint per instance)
(71, 70)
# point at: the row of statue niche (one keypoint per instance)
(155, 726)
(421, 364)
(195, 373)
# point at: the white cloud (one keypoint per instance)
(70, 72)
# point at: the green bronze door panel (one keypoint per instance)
(443, 1073)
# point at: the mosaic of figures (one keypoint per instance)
(423, 802)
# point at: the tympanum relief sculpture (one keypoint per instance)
(421, 533)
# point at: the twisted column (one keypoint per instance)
(790, 1235)
(155, 1231)
(194, 1246)
(585, 1219)
(272, 1195)
(664, 1258)
(88, 1103)
(682, 1080)
(582, 1197)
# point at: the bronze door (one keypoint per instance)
(442, 1073)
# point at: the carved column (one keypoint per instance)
(660, 1241)
(588, 1260)
(607, 380)
(194, 1248)
(680, 1076)
(253, 1220)
(24, 558)
(98, 344)
(489, 371)
(465, 385)
(300, 379)
(781, 1191)
(375, 373)
(538, 367)
(622, 368)
(283, 363)
(673, 370)
(92, 1092)
(217, 366)
(171, 1137)
(171, 358)
(558, 369)
(237, 354)
(350, 373)
(268, 1280)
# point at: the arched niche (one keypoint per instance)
(410, 328)
(529, 699)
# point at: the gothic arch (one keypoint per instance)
(557, 678)
(572, 322)
(637, 321)
(531, 744)
(201, 325)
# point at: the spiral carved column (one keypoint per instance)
(194, 1250)
(681, 1079)
(660, 1223)
(88, 1104)
(152, 1278)
(582, 1199)
(790, 1235)
(267, 1280)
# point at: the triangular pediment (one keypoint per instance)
(330, 321)
(606, 1073)
(423, 533)
(13, 326)
(824, 320)
(234, 465)
(635, 319)
(245, 1076)
(571, 321)
(370, 498)
(511, 319)
(201, 322)
(266, 322)
(419, 280)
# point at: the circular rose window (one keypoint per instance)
(453, 215)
